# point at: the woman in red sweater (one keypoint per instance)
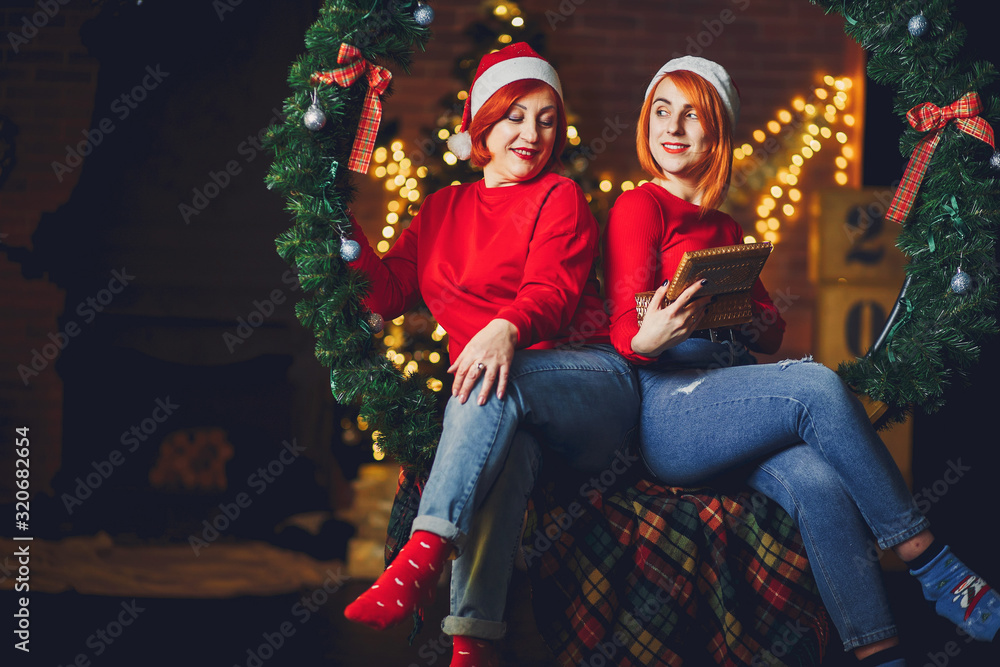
(504, 264)
(801, 436)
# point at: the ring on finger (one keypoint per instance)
(480, 366)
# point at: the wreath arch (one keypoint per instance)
(933, 333)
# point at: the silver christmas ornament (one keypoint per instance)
(995, 160)
(314, 118)
(350, 250)
(376, 323)
(917, 25)
(961, 282)
(423, 14)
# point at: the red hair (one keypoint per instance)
(495, 109)
(715, 170)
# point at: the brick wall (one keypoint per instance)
(47, 89)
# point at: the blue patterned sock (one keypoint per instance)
(960, 595)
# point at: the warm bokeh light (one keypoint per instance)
(759, 135)
(605, 186)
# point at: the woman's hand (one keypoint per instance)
(490, 352)
(665, 326)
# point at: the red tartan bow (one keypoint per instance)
(371, 115)
(928, 117)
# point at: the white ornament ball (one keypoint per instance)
(423, 14)
(961, 282)
(917, 25)
(376, 323)
(995, 160)
(350, 250)
(314, 118)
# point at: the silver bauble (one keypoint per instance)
(995, 160)
(350, 250)
(376, 323)
(423, 14)
(961, 282)
(314, 118)
(917, 25)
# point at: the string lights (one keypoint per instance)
(816, 121)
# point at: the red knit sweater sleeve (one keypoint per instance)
(560, 255)
(631, 254)
(393, 278)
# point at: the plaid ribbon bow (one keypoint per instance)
(371, 115)
(928, 117)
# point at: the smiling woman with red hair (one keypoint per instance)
(505, 266)
(707, 408)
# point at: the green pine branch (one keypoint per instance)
(310, 171)
(952, 223)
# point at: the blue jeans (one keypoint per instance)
(811, 449)
(581, 403)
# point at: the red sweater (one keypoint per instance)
(648, 232)
(522, 252)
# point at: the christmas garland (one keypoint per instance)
(932, 335)
(947, 304)
(331, 120)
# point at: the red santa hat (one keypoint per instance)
(512, 63)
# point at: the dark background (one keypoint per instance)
(163, 337)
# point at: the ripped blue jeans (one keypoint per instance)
(807, 444)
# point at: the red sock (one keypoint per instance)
(405, 585)
(473, 652)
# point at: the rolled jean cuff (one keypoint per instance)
(473, 627)
(442, 528)
(870, 638)
(900, 537)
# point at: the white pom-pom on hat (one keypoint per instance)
(461, 145)
(516, 62)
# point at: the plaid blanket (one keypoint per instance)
(644, 574)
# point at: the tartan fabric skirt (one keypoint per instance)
(645, 574)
